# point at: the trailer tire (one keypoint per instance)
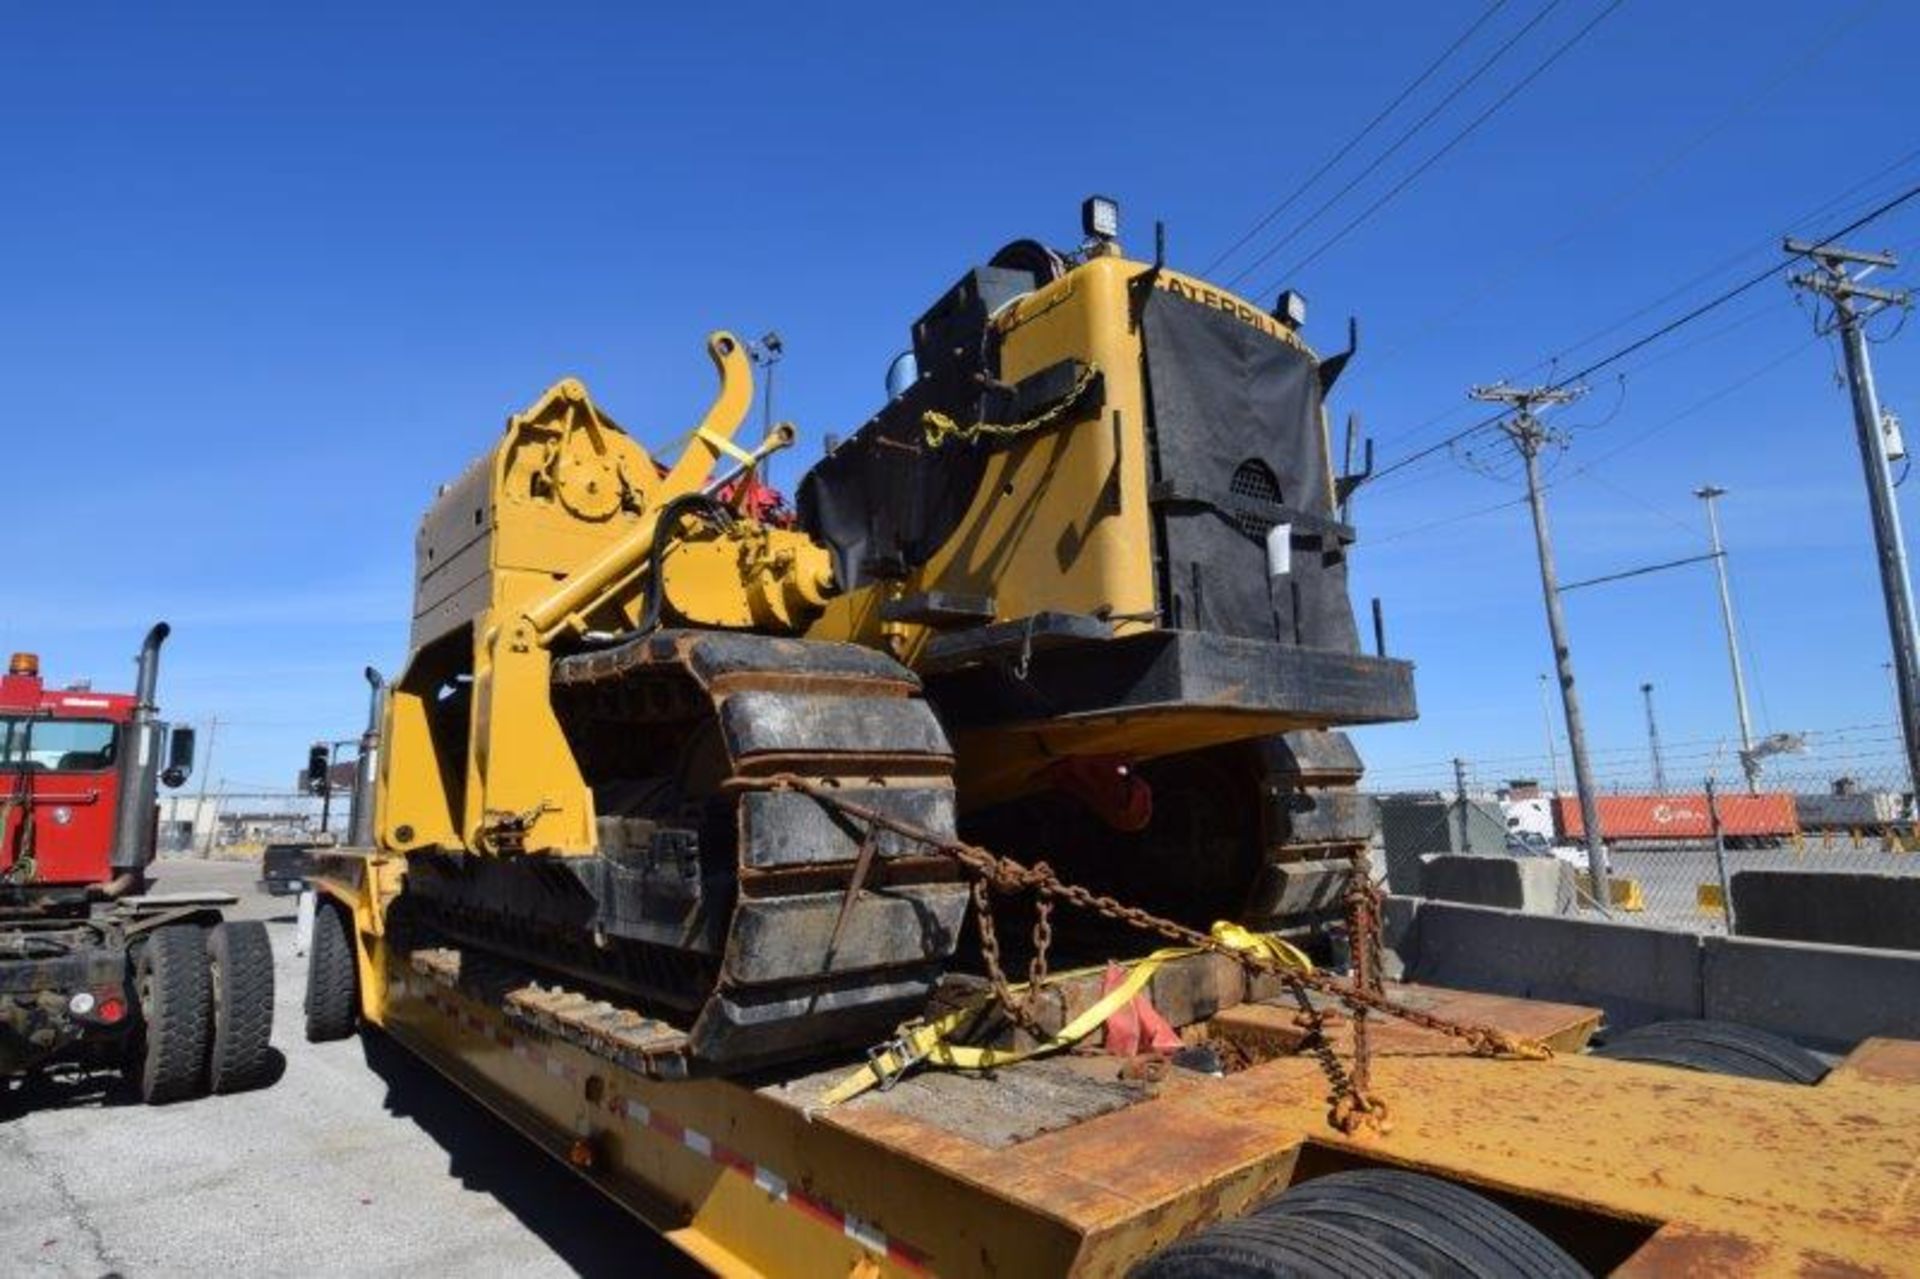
(333, 976)
(176, 1011)
(1717, 1048)
(240, 970)
(1435, 1226)
(1275, 1247)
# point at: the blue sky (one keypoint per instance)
(272, 274)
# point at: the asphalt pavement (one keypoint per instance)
(357, 1160)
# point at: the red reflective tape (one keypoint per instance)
(825, 1214)
(732, 1159)
(640, 1114)
(907, 1257)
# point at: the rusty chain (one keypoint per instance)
(1042, 938)
(1020, 1010)
(1352, 1106)
(1364, 960)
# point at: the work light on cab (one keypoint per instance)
(1100, 218)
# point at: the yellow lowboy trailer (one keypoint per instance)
(1064, 1165)
(686, 799)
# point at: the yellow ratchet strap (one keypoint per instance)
(927, 1043)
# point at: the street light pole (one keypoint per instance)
(1546, 718)
(1710, 494)
(1653, 743)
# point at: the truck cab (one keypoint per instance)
(59, 784)
(95, 971)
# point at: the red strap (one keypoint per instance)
(1137, 1026)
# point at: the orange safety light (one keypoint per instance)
(24, 664)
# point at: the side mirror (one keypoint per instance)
(179, 757)
(318, 761)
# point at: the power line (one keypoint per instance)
(1719, 300)
(1642, 571)
(1586, 470)
(1367, 129)
(1473, 125)
(1602, 213)
(1766, 244)
(1406, 137)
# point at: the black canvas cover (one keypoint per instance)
(883, 501)
(1238, 449)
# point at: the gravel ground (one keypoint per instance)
(358, 1160)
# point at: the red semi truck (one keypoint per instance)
(95, 970)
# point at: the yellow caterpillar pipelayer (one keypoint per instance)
(1079, 589)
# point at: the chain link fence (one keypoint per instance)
(238, 825)
(1840, 803)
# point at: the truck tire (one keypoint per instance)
(1262, 1247)
(1718, 1048)
(333, 997)
(240, 972)
(176, 1012)
(1435, 1226)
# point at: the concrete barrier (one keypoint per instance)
(1828, 997)
(1537, 885)
(1834, 907)
(1635, 975)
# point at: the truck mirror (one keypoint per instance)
(179, 757)
(317, 762)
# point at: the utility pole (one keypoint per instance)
(1653, 743)
(1460, 802)
(1546, 717)
(1710, 494)
(206, 775)
(1893, 687)
(1853, 304)
(1528, 434)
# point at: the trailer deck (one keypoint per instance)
(1064, 1166)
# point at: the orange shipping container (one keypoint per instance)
(1679, 816)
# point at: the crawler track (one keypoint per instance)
(755, 921)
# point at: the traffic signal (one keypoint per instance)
(318, 760)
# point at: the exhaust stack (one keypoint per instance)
(366, 769)
(139, 768)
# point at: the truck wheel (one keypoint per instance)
(1719, 1048)
(332, 977)
(240, 969)
(1435, 1226)
(1277, 1247)
(176, 1007)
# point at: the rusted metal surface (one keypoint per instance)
(1787, 1179)
(1658, 1170)
(1266, 1031)
(1703, 1174)
(618, 1035)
